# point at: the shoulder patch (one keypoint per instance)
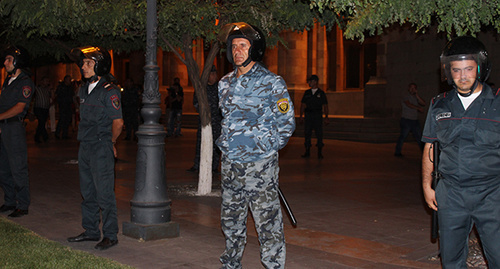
(27, 91)
(283, 105)
(115, 101)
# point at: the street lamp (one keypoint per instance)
(150, 206)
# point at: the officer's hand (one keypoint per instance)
(327, 121)
(114, 151)
(430, 198)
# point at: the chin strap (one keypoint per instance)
(93, 78)
(12, 72)
(246, 62)
(472, 89)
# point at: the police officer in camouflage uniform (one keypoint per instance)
(466, 122)
(100, 125)
(258, 119)
(17, 92)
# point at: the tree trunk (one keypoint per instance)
(205, 175)
(200, 83)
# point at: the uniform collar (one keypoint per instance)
(19, 77)
(487, 92)
(250, 72)
(99, 83)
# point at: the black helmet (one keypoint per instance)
(100, 56)
(466, 48)
(21, 56)
(249, 32)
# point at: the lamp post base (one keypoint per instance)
(148, 232)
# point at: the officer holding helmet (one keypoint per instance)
(466, 122)
(17, 91)
(100, 125)
(258, 119)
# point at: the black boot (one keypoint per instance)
(320, 156)
(307, 154)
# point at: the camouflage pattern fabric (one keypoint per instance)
(252, 186)
(258, 115)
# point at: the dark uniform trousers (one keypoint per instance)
(41, 114)
(14, 164)
(97, 180)
(313, 121)
(460, 208)
(65, 114)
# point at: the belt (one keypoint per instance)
(13, 119)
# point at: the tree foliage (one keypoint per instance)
(459, 17)
(53, 27)
(50, 27)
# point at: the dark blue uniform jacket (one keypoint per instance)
(98, 110)
(469, 139)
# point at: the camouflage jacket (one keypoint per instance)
(258, 115)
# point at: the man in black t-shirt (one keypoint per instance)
(314, 104)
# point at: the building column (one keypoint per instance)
(375, 94)
(292, 61)
(318, 55)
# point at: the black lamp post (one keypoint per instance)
(150, 206)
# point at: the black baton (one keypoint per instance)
(288, 209)
(435, 179)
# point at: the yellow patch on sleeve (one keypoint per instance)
(283, 105)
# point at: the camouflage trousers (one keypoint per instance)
(252, 186)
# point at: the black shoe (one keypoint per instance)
(106, 243)
(83, 237)
(5, 208)
(398, 154)
(320, 153)
(18, 213)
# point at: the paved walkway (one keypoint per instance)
(359, 207)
